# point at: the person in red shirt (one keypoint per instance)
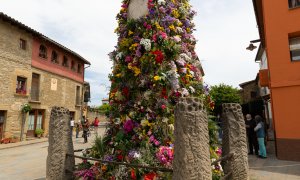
(96, 125)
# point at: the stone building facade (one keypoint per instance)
(38, 71)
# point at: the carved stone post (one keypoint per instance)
(234, 141)
(60, 143)
(191, 147)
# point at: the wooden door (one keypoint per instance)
(35, 121)
(2, 119)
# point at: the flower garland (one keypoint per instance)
(154, 65)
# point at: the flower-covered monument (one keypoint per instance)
(154, 64)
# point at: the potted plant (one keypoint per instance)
(39, 132)
(14, 139)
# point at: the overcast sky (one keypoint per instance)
(224, 29)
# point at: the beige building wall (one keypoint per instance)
(56, 90)
(14, 62)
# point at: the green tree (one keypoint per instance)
(104, 109)
(223, 93)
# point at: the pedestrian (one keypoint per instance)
(96, 125)
(251, 135)
(85, 128)
(72, 125)
(260, 133)
(77, 129)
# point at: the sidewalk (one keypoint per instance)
(23, 143)
(272, 168)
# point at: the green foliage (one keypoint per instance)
(224, 94)
(213, 129)
(98, 148)
(26, 108)
(39, 131)
(104, 109)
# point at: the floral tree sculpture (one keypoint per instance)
(154, 64)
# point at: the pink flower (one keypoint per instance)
(156, 142)
(149, 27)
(128, 126)
(163, 35)
(163, 106)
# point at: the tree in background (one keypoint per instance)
(223, 93)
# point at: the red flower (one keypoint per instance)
(120, 157)
(125, 91)
(164, 93)
(159, 57)
(133, 176)
(150, 176)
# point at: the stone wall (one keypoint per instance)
(14, 62)
(63, 96)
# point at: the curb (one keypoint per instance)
(23, 144)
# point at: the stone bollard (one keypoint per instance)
(60, 143)
(191, 147)
(234, 141)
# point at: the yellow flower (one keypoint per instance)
(156, 78)
(130, 32)
(144, 122)
(172, 27)
(136, 71)
(118, 75)
(188, 30)
(133, 46)
(175, 13)
(179, 23)
(158, 27)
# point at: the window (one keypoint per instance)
(35, 87)
(65, 62)
(73, 66)
(295, 49)
(79, 68)
(54, 57)
(294, 3)
(78, 95)
(21, 85)
(23, 44)
(43, 51)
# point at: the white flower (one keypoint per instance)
(177, 38)
(185, 92)
(165, 120)
(146, 43)
(192, 89)
(161, 2)
(185, 57)
(119, 56)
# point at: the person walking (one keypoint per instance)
(96, 125)
(85, 128)
(72, 122)
(251, 135)
(77, 129)
(260, 132)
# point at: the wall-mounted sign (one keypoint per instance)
(53, 84)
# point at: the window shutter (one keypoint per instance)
(294, 44)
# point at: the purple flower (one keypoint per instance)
(128, 126)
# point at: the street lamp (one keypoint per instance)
(251, 47)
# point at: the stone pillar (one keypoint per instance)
(60, 143)
(137, 9)
(234, 141)
(191, 147)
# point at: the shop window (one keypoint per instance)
(35, 87)
(73, 66)
(54, 57)
(295, 49)
(65, 62)
(23, 44)
(78, 95)
(79, 68)
(43, 51)
(2, 121)
(21, 85)
(294, 3)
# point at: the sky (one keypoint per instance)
(224, 29)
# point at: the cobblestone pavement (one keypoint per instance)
(29, 162)
(272, 168)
